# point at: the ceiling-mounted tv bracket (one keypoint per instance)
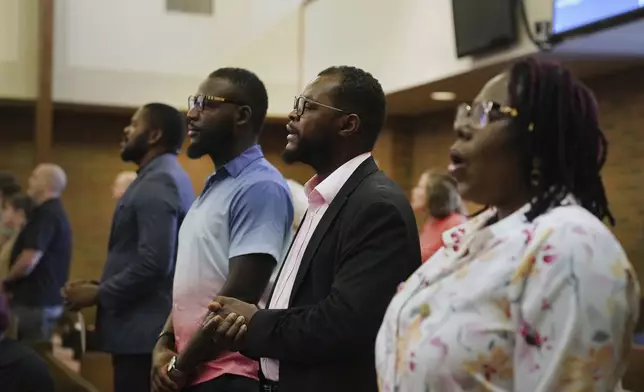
(542, 32)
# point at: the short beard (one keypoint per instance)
(217, 139)
(307, 152)
(195, 151)
(290, 157)
(136, 151)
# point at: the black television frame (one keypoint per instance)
(494, 45)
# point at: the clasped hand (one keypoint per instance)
(228, 321)
(223, 329)
(80, 294)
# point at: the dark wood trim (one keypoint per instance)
(44, 103)
(99, 109)
(17, 103)
(127, 110)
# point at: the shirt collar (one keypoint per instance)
(237, 165)
(323, 190)
(455, 236)
(156, 162)
(234, 167)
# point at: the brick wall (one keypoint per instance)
(621, 102)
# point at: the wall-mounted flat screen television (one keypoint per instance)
(481, 26)
(569, 15)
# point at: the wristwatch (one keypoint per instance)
(172, 368)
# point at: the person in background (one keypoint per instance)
(40, 258)
(534, 293)
(121, 183)
(16, 211)
(134, 295)
(357, 243)
(436, 195)
(8, 186)
(232, 238)
(21, 369)
(300, 202)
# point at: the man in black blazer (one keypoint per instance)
(358, 241)
(134, 295)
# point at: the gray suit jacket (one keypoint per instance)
(135, 295)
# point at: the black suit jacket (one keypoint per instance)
(365, 245)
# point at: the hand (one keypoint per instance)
(77, 283)
(160, 380)
(228, 321)
(228, 332)
(69, 285)
(80, 295)
(223, 306)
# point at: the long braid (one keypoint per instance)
(558, 128)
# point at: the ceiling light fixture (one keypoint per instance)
(443, 96)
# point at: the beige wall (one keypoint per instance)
(18, 49)
(404, 43)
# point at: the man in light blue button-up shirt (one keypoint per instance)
(233, 237)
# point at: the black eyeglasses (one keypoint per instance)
(483, 113)
(202, 101)
(299, 105)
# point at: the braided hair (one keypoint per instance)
(558, 129)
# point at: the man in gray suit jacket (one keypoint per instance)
(134, 295)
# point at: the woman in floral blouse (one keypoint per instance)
(534, 294)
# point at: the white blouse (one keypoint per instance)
(514, 306)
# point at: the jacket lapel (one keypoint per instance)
(363, 171)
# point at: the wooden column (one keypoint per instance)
(44, 105)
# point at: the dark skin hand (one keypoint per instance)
(163, 352)
(247, 279)
(227, 332)
(161, 380)
(227, 313)
(79, 295)
(232, 329)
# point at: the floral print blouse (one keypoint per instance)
(514, 306)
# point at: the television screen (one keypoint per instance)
(571, 14)
(483, 25)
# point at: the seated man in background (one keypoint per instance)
(21, 369)
(122, 182)
(40, 258)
